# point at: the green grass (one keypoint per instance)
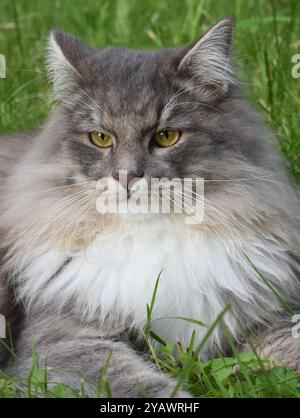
(267, 36)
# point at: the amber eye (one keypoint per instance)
(167, 138)
(100, 139)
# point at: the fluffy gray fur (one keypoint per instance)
(134, 94)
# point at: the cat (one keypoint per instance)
(79, 280)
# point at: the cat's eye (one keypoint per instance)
(100, 139)
(167, 138)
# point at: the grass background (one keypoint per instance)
(267, 36)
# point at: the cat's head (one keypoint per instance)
(172, 113)
(153, 114)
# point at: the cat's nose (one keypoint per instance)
(126, 178)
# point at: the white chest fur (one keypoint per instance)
(117, 274)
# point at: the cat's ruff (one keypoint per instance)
(116, 274)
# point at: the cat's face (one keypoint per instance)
(156, 114)
(174, 113)
(153, 120)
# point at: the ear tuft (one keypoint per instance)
(210, 56)
(64, 55)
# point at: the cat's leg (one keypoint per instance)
(71, 348)
(279, 342)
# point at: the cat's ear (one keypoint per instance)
(209, 59)
(65, 56)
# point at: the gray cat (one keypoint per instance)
(76, 279)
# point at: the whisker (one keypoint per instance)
(48, 190)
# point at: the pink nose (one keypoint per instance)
(125, 180)
(129, 178)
